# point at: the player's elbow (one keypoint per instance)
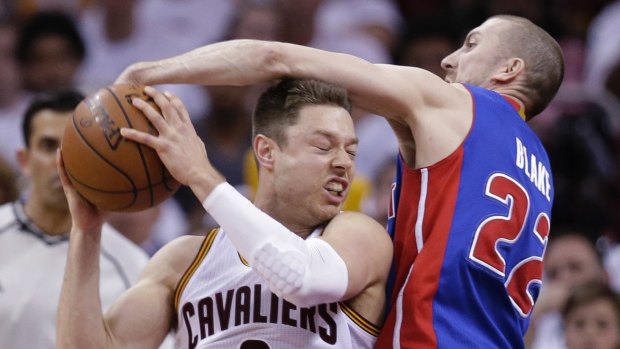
(273, 58)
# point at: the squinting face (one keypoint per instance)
(593, 326)
(478, 59)
(314, 169)
(39, 160)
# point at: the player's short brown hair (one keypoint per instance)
(278, 107)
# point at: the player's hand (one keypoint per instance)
(178, 146)
(85, 216)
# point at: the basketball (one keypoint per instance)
(113, 173)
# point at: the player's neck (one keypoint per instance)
(284, 215)
(517, 104)
(51, 221)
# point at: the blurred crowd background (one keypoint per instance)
(85, 44)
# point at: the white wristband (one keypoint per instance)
(305, 272)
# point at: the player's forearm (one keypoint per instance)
(80, 320)
(237, 62)
(304, 272)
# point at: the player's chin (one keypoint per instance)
(331, 210)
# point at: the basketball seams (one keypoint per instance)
(134, 191)
(105, 171)
(138, 145)
(111, 164)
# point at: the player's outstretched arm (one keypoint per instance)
(395, 92)
(141, 317)
(418, 104)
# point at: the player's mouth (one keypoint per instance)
(337, 189)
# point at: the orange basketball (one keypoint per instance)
(114, 173)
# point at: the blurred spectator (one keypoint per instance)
(581, 152)
(34, 236)
(13, 100)
(603, 54)
(341, 20)
(26, 8)
(8, 184)
(571, 260)
(50, 49)
(180, 25)
(426, 51)
(611, 259)
(591, 318)
(121, 32)
(299, 19)
(115, 38)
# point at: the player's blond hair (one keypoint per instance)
(544, 62)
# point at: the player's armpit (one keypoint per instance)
(365, 247)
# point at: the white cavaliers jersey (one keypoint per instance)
(32, 266)
(222, 303)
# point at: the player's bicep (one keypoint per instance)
(142, 316)
(364, 246)
(145, 313)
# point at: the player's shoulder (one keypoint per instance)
(174, 258)
(6, 213)
(181, 251)
(183, 245)
(360, 224)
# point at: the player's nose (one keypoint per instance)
(449, 62)
(343, 160)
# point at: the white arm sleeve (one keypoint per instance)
(304, 272)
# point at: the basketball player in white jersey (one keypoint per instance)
(289, 271)
(34, 237)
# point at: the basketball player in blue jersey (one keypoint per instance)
(472, 200)
(289, 271)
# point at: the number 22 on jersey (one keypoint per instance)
(507, 230)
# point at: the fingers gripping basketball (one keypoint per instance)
(114, 173)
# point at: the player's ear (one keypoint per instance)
(264, 148)
(22, 160)
(513, 68)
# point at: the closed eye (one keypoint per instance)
(322, 148)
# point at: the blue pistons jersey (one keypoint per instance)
(469, 235)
